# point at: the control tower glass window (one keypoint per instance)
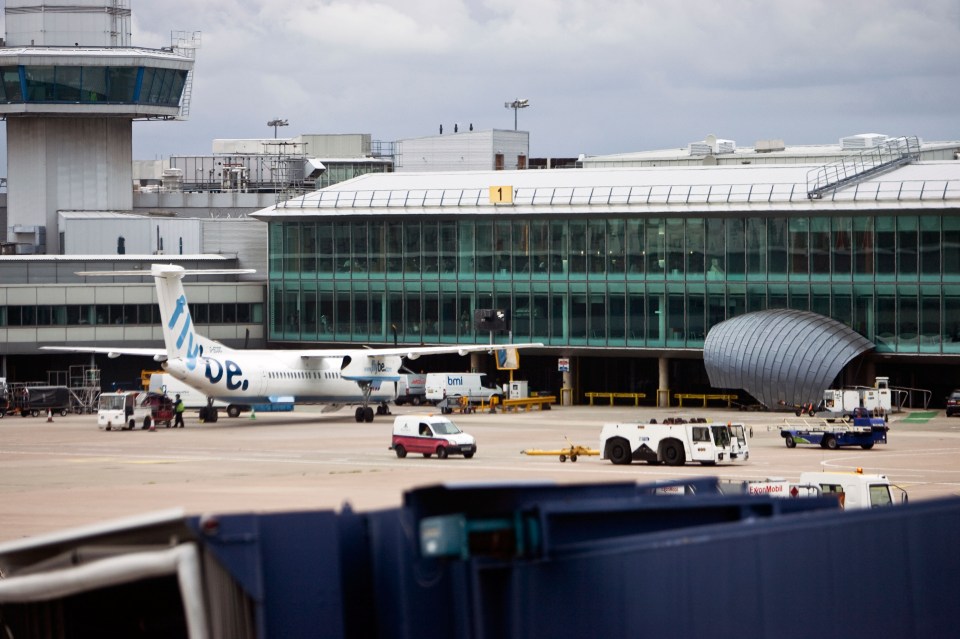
(121, 83)
(162, 86)
(11, 84)
(85, 84)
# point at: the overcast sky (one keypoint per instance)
(602, 76)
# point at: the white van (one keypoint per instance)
(477, 387)
(429, 434)
(411, 389)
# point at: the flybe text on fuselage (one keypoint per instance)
(213, 369)
(209, 372)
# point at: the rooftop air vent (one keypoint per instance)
(768, 146)
(712, 146)
(862, 141)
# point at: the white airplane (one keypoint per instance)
(244, 377)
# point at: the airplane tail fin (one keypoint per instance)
(179, 334)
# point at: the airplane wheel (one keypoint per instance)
(233, 411)
(358, 414)
(368, 414)
(400, 450)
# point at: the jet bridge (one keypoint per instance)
(611, 560)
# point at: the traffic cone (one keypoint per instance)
(49, 415)
(153, 426)
(253, 413)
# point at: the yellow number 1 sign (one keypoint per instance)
(501, 195)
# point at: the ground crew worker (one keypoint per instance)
(178, 409)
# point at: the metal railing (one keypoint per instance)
(720, 194)
(887, 155)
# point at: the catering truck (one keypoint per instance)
(674, 443)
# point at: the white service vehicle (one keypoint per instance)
(674, 443)
(855, 490)
(429, 435)
(476, 387)
(841, 402)
(411, 389)
(123, 411)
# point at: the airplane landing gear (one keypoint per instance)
(365, 413)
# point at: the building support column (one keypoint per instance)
(566, 388)
(663, 384)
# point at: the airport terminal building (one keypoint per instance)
(623, 271)
(620, 269)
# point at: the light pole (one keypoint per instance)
(516, 105)
(275, 124)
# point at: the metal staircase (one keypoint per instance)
(886, 156)
(186, 43)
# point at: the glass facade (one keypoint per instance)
(92, 84)
(124, 314)
(341, 171)
(629, 282)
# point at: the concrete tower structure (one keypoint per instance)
(71, 86)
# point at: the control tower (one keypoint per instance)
(71, 86)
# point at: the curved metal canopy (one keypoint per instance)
(780, 354)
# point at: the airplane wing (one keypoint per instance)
(413, 352)
(158, 354)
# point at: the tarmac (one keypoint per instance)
(67, 473)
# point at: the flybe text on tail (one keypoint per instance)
(193, 350)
